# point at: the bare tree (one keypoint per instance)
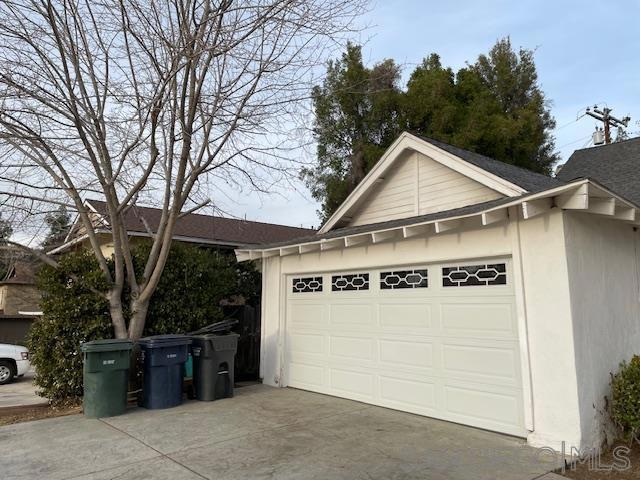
(135, 98)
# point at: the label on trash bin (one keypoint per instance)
(108, 362)
(196, 351)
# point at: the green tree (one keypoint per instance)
(494, 107)
(59, 223)
(356, 119)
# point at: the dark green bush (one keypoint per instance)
(188, 297)
(72, 314)
(625, 398)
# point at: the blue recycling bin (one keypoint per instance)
(163, 358)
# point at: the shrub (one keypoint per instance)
(625, 398)
(72, 314)
(188, 297)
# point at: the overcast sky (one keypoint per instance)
(586, 52)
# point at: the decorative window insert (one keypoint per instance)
(474, 275)
(417, 278)
(307, 285)
(347, 283)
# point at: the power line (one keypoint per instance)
(604, 115)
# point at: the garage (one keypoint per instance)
(436, 339)
(451, 285)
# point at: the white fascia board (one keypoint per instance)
(532, 205)
(407, 141)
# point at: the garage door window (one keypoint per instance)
(348, 283)
(474, 275)
(399, 279)
(307, 285)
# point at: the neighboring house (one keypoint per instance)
(451, 285)
(19, 302)
(206, 230)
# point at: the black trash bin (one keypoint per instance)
(163, 365)
(213, 363)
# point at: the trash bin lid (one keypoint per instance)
(107, 345)
(157, 341)
(209, 336)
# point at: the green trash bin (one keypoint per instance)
(106, 377)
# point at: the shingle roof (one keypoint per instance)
(616, 166)
(530, 181)
(211, 228)
(401, 222)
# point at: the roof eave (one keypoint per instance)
(585, 195)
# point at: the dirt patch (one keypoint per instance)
(11, 415)
(586, 472)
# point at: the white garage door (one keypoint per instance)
(437, 340)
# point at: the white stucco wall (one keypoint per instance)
(537, 247)
(603, 269)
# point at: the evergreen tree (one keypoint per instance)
(356, 119)
(494, 107)
(59, 223)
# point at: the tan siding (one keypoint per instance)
(418, 185)
(394, 198)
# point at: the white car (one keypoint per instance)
(14, 362)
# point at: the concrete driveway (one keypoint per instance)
(263, 433)
(20, 392)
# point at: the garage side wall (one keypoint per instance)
(603, 269)
(541, 244)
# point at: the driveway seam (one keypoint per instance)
(162, 455)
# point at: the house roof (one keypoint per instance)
(616, 166)
(213, 229)
(22, 272)
(528, 180)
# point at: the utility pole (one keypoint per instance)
(604, 115)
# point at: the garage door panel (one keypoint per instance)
(353, 314)
(477, 405)
(406, 353)
(306, 343)
(357, 384)
(304, 374)
(306, 314)
(351, 347)
(492, 319)
(408, 394)
(450, 352)
(492, 363)
(403, 315)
